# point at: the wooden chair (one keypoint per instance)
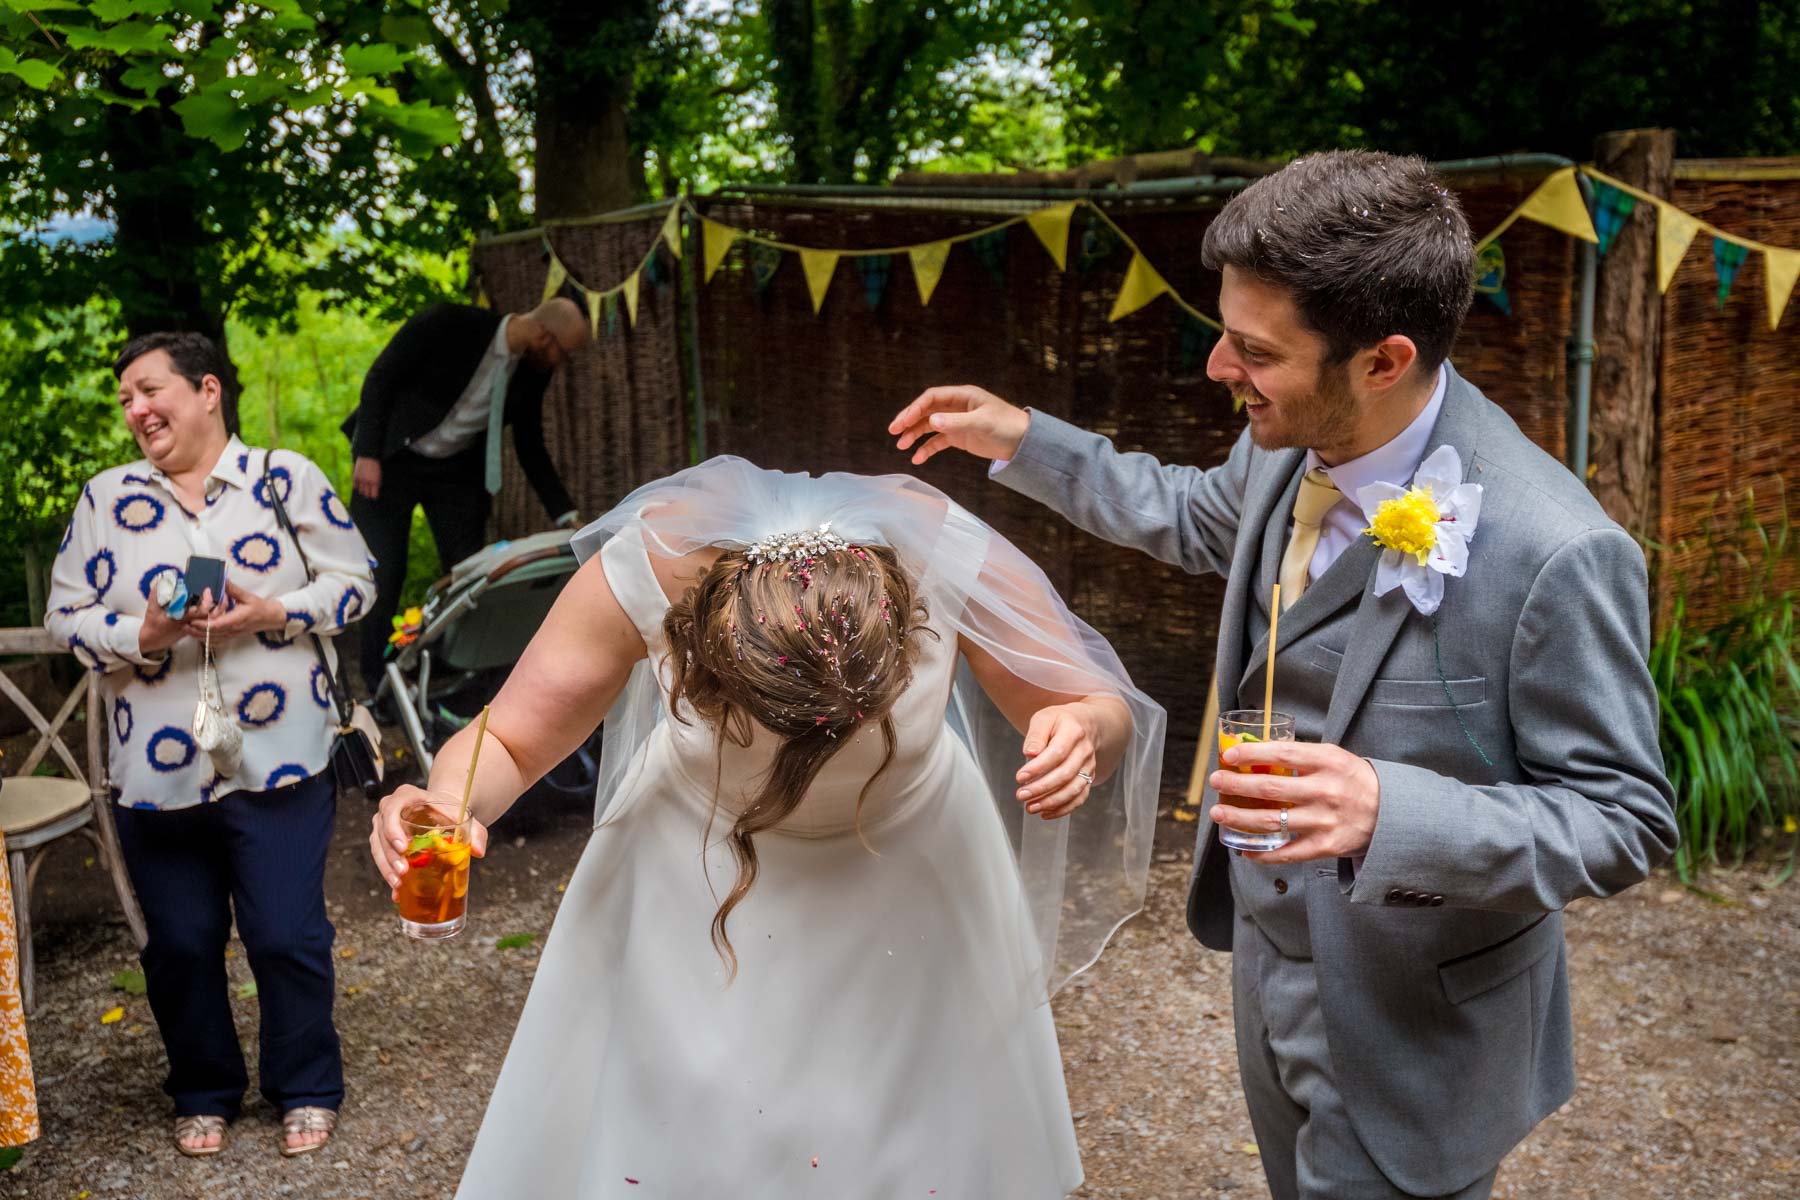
(35, 810)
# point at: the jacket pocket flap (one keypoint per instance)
(1470, 975)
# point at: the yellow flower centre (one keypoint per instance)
(1407, 523)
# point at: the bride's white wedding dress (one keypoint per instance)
(887, 1033)
(878, 1040)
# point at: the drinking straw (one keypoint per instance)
(469, 783)
(1268, 678)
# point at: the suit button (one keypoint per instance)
(1281, 886)
(1409, 897)
(1393, 896)
(1437, 902)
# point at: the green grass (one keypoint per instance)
(1730, 705)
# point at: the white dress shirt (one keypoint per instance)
(1392, 463)
(468, 417)
(129, 527)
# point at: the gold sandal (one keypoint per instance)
(199, 1125)
(307, 1119)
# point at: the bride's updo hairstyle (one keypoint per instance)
(811, 639)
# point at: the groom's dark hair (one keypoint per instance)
(1369, 245)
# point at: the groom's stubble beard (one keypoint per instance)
(1322, 418)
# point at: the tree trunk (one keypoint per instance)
(1628, 333)
(586, 65)
(792, 35)
(584, 163)
(161, 253)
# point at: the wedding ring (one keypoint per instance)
(1284, 828)
(1086, 778)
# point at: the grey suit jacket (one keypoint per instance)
(1441, 962)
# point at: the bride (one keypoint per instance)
(869, 795)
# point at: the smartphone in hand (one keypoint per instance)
(205, 574)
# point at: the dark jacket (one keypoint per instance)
(417, 378)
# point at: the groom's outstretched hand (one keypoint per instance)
(1331, 797)
(961, 417)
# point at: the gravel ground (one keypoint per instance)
(1687, 1012)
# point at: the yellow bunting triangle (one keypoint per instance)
(1780, 269)
(819, 264)
(558, 276)
(928, 265)
(1558, 204)
(1675, 232)
(481, 299)
(1142, 285)
(671, 230)
(718, 239)
(1052, 227)
(630, 288)
(596, 301)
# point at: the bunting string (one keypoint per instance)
(1557, 202)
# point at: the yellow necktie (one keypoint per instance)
(1317, 495)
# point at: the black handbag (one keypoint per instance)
(355, 750)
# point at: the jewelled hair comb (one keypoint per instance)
(796, 547)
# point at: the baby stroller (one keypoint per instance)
(474, 625)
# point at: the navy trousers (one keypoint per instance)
(262, 854)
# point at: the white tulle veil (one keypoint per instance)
(1082, 875)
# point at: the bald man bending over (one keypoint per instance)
(428, 433)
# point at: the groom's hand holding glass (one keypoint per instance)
(1331, 798)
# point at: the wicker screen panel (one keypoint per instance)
(615, 416)
(789, 389)
(1730, 403)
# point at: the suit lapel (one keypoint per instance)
(1340, 584)
(1262, 494)
(1378, 621)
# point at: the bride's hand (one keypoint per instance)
(387, 838)
(1060, 760)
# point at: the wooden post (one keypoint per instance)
(1628, 333)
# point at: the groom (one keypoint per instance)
(1399, 977)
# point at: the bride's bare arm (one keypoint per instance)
(565, 682)
(1064, 734)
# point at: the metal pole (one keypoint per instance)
(1581, 349)
(690, 304)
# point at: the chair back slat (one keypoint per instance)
(49, 739)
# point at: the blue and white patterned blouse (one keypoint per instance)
(129, 527)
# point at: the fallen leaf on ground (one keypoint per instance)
(247, 989)
(113, 1016)
(129, 982)
(1183, 814)
(515, 941)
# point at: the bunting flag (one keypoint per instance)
(1780, 269)
(764, 262)
(1052, 227)
(928, 264)
(1558, 204)
(1197, 340)
(991, 249)
(1142, 285)
(611, 304)
(654, 274)
(596, 301)
(1097, 241)
(1490, 276)
(718, 239)
(481, 298)
(1611, 207)
(554, 281)
(671, 229)
(818, 265)
(1728, 256)
(1675, 232)
(630, 288)
(874, 269)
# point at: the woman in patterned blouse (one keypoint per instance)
(200, 841)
